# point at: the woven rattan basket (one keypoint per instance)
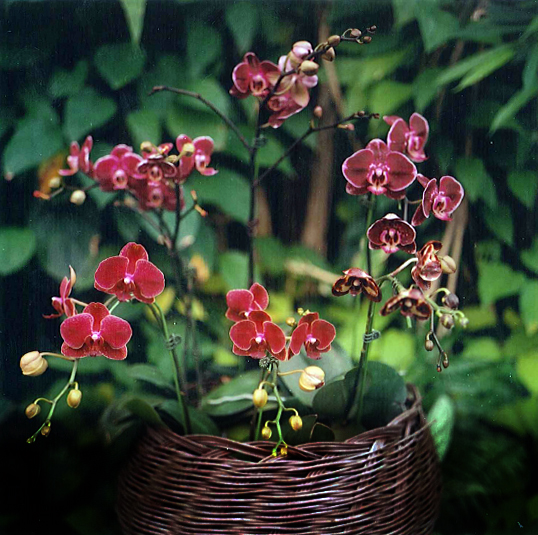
(384, 481)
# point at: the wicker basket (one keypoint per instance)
(384, 481)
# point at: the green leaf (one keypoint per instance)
(134, 14)
(388, 95)
(66, 83)
(436, 26)
(233, 267)
(524, 186)
(499, 56)
(149, 374)
(330, 401)
(425, 87)
(530, 257)
(232, 397)
(270, 152)
(530, 71)
(527, 370)
(144, 125)
(472, 173)
(119, 63)
(404, 12)
(442, 416)
(86, 112)
(242, 19)
(35, 139)
(480, 317)
(497, 281)
(144, 410)
(17, 246)
(201, 423)
(396, 348)
(8, 118)
(226, 190)
(271, 254)
(528, 304)
(501, 223)
(508, 112)
(482, 348)
(321, 433)
(203, 47)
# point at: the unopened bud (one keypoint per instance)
(447, 321)
(428, 344)
(329, 55)
(187, 151)
(46, 430)
(318, 112)
(448, 264)
(32, 410)
(308, 67)
(33, 364)
(360, 113)
(334, 40)
(464, 322)
(372, 29)
(350, 127)
(259, 398)
(74, 398)
(312, 378)
(55, 182)
(78, 197)
(146, 146)
(355, 32)
(366, 39)
(296, 422)
(451, 301)
(301, 49)
(266, 433)
(291, 321)
(445, 360)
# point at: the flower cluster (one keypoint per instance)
(255, 335)
(150, 177)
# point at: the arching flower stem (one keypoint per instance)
(266, 372)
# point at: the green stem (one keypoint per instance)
(265, 373)
(177, 375)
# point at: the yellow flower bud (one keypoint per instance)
(312, 378)
(32, 410)
(46, 430)
(448, 264)
(259, 398)
(147, 146)
(74, 397)
(78, 197)
(266, 433)
(55, 182)
(334, 40)
(310, 68)
(296, 422)
(329, 55)
(187, 151)
(33, 364)
(318, 112)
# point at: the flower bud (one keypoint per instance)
(312, 378)
(46, 430)
(445, 360)
(308, 67)
(187, 151)
(78, 197)
(55, 182)
(464, 322)
(74, 398)
(296, 422)
(447, 321)
(448, 264)
(372, 29)
(329, 55)
(266, 433)
(355, 32)
(318, 112)
(146, 146)
(33, 364)
(334, 40)
(451, 301)
(301, 49)
(32, 410)
(259, 398)
(428, 344)
(366, 39)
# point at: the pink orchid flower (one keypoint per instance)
(242, 302)
(410, 139)
(201, 158)
(130, 275)
(157, 195)
(114, 170)
(95, 332)
(440, 200)
(79, 158)
(257, 336)
(154, 167)
(251, 77)
(315, 334)
(378, 170)
(282, 107)
(63, 304)
(392, 234)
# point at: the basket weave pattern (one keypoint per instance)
(384, 481)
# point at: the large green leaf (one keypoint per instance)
(472, 173)
(119, 63)
(387, 96)
(17, 246)
(271, 255)
(36, 138)
(510, 109)
(527, 370)
(142, 409)
(242, 19)
(530, 257)
(436, 26)
(497, 281)
(144, 125)
(233, 266)
(203, 46)
(134, 14)
(201, 423)
(150, 374)
(65, 83)
(85, 112)
(528, 304)
(442, 416)
(425, 87)
(524, 185)
(501, 223)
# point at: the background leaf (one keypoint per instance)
(134, 14)
(119, 64)
(17, 246)
(441, 417)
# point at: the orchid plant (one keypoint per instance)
(152, 183)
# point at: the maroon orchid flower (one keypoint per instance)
(242, 302)
(79, 158)
(378, 170)
(155, 167)
(257, 336)
(157, 195)
(282, 107)
(428, 267)
(130, 275)
(356, 281)
(315, 334)
(63, 304)
(250, 77)
(95, 332)
(201, 157)
(411, 303)
(114, 171)
(391, 234)
(408, 139)
(440, 200)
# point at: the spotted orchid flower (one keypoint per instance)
(408, 139)
(356, 281)
(392, 234)
(251, 77)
